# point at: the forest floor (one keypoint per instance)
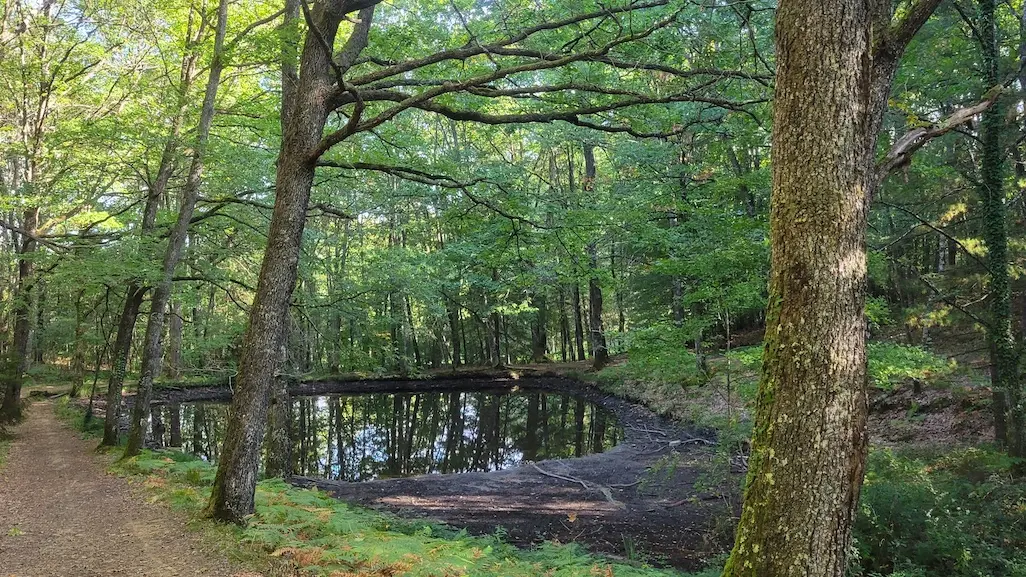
(62, 514)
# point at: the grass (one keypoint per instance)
(310, 532)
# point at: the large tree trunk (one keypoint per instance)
(809, 445)
(231, 498)
(153, 344)
(18, 357)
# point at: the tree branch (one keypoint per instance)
(901, 152)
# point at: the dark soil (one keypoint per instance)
(913, 414)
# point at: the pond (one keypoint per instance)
(361, 437)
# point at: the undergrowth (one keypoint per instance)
(325, 537)
(661, 373)
(959, 513)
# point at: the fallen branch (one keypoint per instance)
(556, 476)
(606, 491)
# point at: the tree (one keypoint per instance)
(1009, 408)
(152, 351)
(809, 445)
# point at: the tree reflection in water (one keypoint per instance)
(375, 436)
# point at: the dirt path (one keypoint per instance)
(61, 514)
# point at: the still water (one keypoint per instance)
(382, 435)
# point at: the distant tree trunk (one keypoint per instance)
(600, 354)
(599, 351)
(809, 444)
(174, 352)
(78, 362)
(454, 330)
(232, 494)
(413, 332)
(152, 351)
(18, 357)
(539, 334)
(564, 327)
(578, 324)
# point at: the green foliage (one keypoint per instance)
(890, 364)
(74, 415)
(878, 312)
(961, 514)
(658, 355)
(324, 536)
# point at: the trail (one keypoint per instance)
(62, 514)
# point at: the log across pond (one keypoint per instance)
(541, 458)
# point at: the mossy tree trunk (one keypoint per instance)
(808, 451)
(836, 61)
(1008, 403)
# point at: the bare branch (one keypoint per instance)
(901, 152)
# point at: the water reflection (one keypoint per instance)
(374, 436)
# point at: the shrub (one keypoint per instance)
(961, 514)
(657, 355)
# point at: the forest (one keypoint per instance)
(513, 287)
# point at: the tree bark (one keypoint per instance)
(18, 357)
(231, 498)
(809, 445)
(1009, 414)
